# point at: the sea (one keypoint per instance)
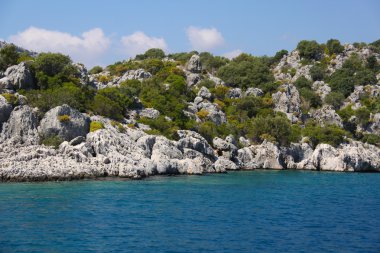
(242, 211)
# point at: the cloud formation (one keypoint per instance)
(233, 54)
(139, 42)
(204, 39)
(86, 48)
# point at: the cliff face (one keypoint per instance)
(127, 149)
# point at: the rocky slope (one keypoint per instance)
(124, 149)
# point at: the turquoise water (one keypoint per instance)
(256, 211)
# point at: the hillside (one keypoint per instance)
(317, 108)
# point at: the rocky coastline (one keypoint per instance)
(124, 149)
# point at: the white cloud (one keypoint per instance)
(203, 39)
(233, 54)
(139, 42)
(86, 49)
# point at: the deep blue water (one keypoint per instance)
(256, 211)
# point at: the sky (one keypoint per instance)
(97, 32)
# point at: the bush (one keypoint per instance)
(303, 82)
(105, 106)
(317, 72)
(11, 98)
(277, 127)
(278, 56)
(246, 71)
(310, 50)
(8, 56)
(331, 134)
(202, 114)
(52, 64)
(341, 81)
(334, 46)
(53, 140)
(362, 114)
(64, 118)
(373, 139)
(311, 98)
(95, 70)
(334, 99)
(96, 125)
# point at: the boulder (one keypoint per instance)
(194, 64)
(287, 100)
(224, 148)
(267, 156)
(149, 113)
(204, 93)
(194, 141)
(321, 88)
(192, 79)
(224, 164)
(374, 126)
(21, 126)
(254, 92)
(5, 110)
(326, 116)
(82, 73)
(213, 112)
(65, 122)
(17, 77)
(235, 93)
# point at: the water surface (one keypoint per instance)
(255, 211)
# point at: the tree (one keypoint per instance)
(153, 53)
(278, 56)
(303, 82)
(8, 56)
(334, 46)
(309, 49)
(52, 64)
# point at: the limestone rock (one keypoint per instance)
(321, 88)
(194, 64)
(65, 122)
(17, 77)
(204, 93)
(192, 79)
(235, 93)
(5, 110)
(254, 92)
(149, 113)
(287, 100)
(326, 116)
(21, 126)
(224, 164)
(224, 148)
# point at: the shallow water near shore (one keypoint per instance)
(245, 211)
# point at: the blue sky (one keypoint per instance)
(102, 32)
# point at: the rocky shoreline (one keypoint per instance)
(121, 151)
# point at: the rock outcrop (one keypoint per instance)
(65, 122)
(326, 116)
(17, 77)
(287, 100)
(21, 127)
(5, 110)
(194, 65)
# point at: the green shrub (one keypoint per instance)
(303, 82)
(334, 46)
(64, 118)
(53, 141)
(373, 139)
(331, 134)
(309, 49)
(153, 53)
(362, 114)
(334, 99)
(11, 98)
(96, 125)
(317, 72)
(278, 56)
(278, 127)
(8, 56)
(95, 70)
(246, 71)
